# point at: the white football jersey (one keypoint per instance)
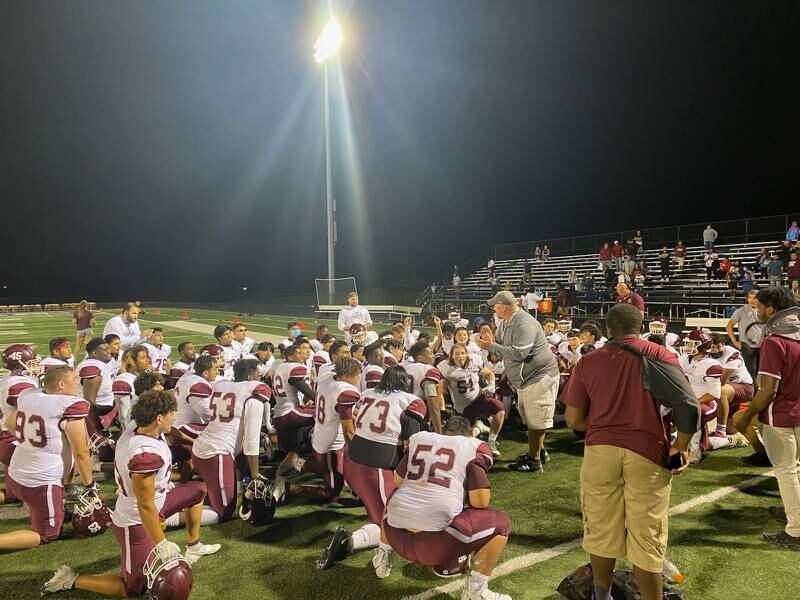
(89, 368)
(703, 375)
(264, 368)
(463, 383)
(321, 357)
(568, 354)
(556, 338)
(287, 398)
(432, 492)
(231, 354)
(193, 395)
(419, 373)
(732, 359)
(11, 386)
(335, 399)
(379, 416)
(671, 339)
(48, 362)
(236, 416)
(159, 355)
(137, 453)
(42, 457)
(124, 397)
(370, 377)
(246, 345)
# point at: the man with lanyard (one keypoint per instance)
(751, 332)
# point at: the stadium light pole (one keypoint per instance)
(325, 48)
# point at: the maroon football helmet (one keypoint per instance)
(658, 326)
(696, 341)
(168, 579)
(453, 568)
(214, 350)
(91, 516)
(358, 333)
(22, 359)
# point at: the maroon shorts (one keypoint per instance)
(467, 533)
(136, 544)
(372, 485)
(708, 412)
(46, 506)
(743, 393)
(329, 467)
(481, 407)
(219, 474)
(288, 426)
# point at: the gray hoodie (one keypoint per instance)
(785, 323)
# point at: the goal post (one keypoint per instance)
(334, 291)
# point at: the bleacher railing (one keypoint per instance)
(734, 231)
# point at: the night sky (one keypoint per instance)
(174, 150)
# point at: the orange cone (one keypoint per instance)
(157, 311)
(236, 320)
(185, 316)
(302, 326)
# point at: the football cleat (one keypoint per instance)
(198, 551)
(62, 580)
(339, 548)
(495, 451)
(382, 561)
(738, 440)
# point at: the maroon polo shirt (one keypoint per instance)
(632, 298)
(780, 358)
(84, 321)
(604, 253)
(607, 383)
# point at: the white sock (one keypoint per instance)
(383, 546)
(209, 517)
(722, 428)
(368, 536)
(492, 437)
(477, 581)
(172, 521)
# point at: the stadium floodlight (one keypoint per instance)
(326, 47)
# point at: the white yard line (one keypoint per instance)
(532, 558)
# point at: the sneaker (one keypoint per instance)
(483, 594)
(62, 580)
(695, 455)
(340, 547)
(526, 465)
(482, 427)
(778, 513)
(382, 561)
(718, 440)
(198, 551)
(495, 451)
(738, 440)
(544, 457)
(757, 459)
(782, 539)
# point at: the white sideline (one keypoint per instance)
(528, 560)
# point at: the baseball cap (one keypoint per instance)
(503, 297)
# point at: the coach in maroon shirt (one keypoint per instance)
(778, 406)
(626, 295)
(625, 478)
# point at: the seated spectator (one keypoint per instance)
(604, 256)
(625, 278)
(638, 282)
(795, 289)
(793, 267)
(546, 253)
(775, 270)
(628, 265)
(617, 252)
(793, 233)
(680, 254)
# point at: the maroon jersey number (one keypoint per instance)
(39, 439)
(442, 466)
(223, 413)
(321, 410)
(279, 389)
(382, 406)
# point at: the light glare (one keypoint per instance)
(327, 44)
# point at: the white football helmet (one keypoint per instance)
(658, 326)
(564, 323)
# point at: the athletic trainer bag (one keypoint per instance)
(579, 586)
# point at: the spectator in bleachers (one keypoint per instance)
(588, 286)
(751, 332)
(709, 237)
(793, 267)
(680, 254)
(710, 260)
(572, 282)
(795, 289)
(664, 262)
(604, 256)
(611, 280)
(632, 249)
(761, 262)
(537, 254)
(747, 281)
(456, 284)
(625, 278)
(793, 233)
(628, 265)
(732, 277)
(491, 266)
(775, 270)
(546, 253)
(637, 239)
(638, 282)
(526, 273)
(494, 281)
(627, 296)
(617, 252)
(563, 300)
(783, 250)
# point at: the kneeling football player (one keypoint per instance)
(143, 475)
(425, 519)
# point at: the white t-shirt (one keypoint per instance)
(353, 314)
(129, 333)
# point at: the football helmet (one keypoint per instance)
(453, 314)
(258, 505)
(97, 442)
(22, 359)
(564, 323)
(454, 568)
(167, 578)
(658, 326)
(358, 334)
(214, 350)
(696, 341)
(90, 516)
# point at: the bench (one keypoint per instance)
(378, 309)
(707, 323)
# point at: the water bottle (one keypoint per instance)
(671, 573)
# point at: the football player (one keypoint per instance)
(159, 351)
(293, 332)
(388, 416)
(445, 334)
(234, 428)
(569, 351)
(97, 378)
(45, 421)
(231, 352)
(24, 365)
(193, 395)
(704, 375)
(357, 352)
(322, 355)
(411, 334)
(317, 343)
(471, 400)
(353, 313)
(426, 520)
(135, 361)
(372, 373)
(424, 379)
(265, 352)
(590, 334)
(360, 335)
(463, 338)
(564, 324)
(112, 339)
(142, 469)
(395, 353)
(550, 326)
(60, 354)
(454, 317)
(658, 326)
(187, 357)
(336, 397)
(240, 337)
(737, 383)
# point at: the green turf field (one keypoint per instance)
(716, 543)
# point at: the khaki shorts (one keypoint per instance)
(625, 504)
(537, 403)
